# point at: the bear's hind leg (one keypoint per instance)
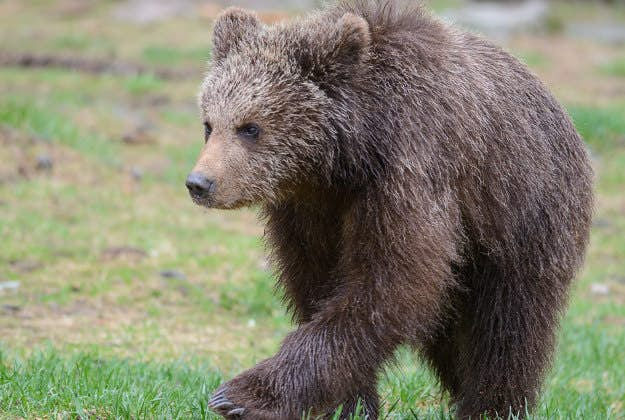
(508, 335)
(441, 353)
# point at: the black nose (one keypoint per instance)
(199, 185)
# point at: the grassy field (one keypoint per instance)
(120, 298)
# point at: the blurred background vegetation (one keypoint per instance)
(120, 298)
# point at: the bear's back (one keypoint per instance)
(451, 107)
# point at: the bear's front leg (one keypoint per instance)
(390, 289)
(331, 361)
(249, 395)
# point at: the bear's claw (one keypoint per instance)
(236, 412)
(222, 405)
(220, 392)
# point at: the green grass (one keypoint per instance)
(92, 331)
(142, 84)
(84, 385)
(585, 382)
(533, 59)
(603, 128)
(615, 67)
(164, 55)
(442, 5)
(46, 125)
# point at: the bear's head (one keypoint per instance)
(269, 106)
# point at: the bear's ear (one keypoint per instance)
(336, 51)
(233, 27)
(350, 39)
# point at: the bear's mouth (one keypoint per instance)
(202, 201)
(211, 202)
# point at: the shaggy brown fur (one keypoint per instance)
(420, 187)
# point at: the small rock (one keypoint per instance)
(136, 173)
(9, 286)
(599, 289)
(173, 274)
(44, 163)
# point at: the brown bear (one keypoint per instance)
(420, 186)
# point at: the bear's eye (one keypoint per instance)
(249, 131)
(207, 131)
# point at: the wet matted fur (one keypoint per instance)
(420, 186)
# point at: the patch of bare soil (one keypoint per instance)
(81, 321)
(28, 157)
(94, 66)
(130, 330)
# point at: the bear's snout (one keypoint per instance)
(199, 186)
